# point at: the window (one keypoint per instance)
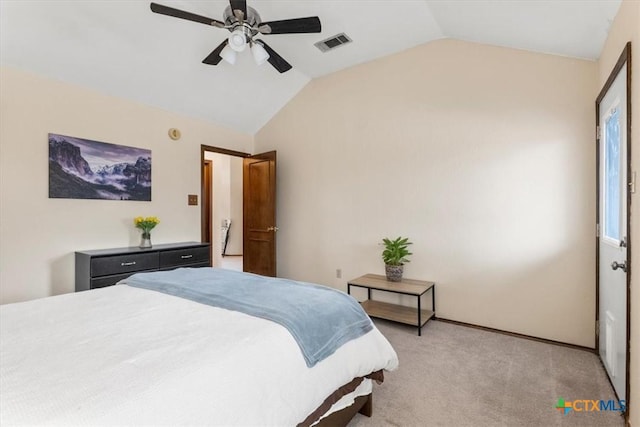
(612, 202)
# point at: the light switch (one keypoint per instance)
(193, 200)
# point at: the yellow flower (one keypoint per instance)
(146, 224)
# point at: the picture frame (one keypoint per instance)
(86, 169)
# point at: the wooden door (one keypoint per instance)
(259, 212)
(207, 205)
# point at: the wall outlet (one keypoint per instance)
(338, 273)
(192, 200)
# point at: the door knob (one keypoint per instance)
(272, 229)
(615, 266)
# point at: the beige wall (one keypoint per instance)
(235, 207)
(227, 203)
(482, 155)
(625, 28)
(220, 201)
(39, 235)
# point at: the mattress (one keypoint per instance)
(128, 356)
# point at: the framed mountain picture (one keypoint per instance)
(84, 169)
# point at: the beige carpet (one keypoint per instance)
(459, 376)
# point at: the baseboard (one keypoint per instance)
(517, 335)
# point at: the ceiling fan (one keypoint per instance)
(245, 24)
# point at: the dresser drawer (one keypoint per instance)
(197, 265)
(183, 257)
(110, 265)
(101, 282)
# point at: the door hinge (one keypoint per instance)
(597, 328)
(597, 230)
(598, 133)
(632, 183)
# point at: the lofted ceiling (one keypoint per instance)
(121, 48)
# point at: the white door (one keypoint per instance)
(612, 248)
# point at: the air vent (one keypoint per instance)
(333, 42)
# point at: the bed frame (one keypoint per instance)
(362, 404)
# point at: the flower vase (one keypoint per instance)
(145, 241)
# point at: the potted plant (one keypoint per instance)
(146, 225)
(394, 255)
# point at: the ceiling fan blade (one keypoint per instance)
(177, 13)
(240, 5)
(290, 26)
(214, 57)
(274, 59)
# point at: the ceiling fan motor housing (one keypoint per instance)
(248, 24)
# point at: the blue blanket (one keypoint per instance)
(320, 319)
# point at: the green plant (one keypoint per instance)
(396, 251)
(146, 224)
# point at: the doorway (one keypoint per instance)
(222, 206)
(245, 228)
(614, 187)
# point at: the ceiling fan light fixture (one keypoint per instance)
(228, 55)
(244, 23)
(238, 40)
(260, 55)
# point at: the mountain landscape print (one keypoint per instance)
(85, 169)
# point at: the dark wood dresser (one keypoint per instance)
(105, 267)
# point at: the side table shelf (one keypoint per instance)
(398, 313)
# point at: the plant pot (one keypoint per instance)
(394, 272)
(145, 241)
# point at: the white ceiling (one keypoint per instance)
(121, 48)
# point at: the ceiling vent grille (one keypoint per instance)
(333, 42)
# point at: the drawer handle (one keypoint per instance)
(127, 263)
(186, 256)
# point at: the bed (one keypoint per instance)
(135, 354)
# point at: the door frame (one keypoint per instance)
(205, 219)
(625, 58)
(207, 202)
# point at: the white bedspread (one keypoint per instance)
(126, 356)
